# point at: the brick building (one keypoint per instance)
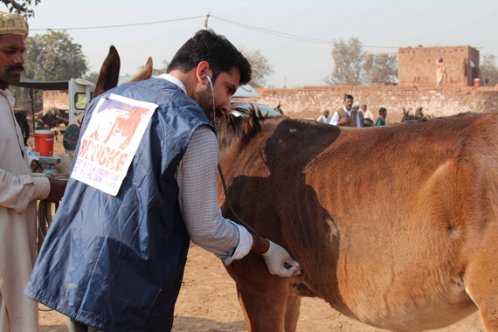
(418, 65)
(417, 75)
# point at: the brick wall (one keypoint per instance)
(417, 65)
(307, 102)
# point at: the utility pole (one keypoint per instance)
(206, 21)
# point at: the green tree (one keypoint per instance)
(489, 70)
(49, 57)
(348, 57)
(22, 7)
(261, 67)
(53, 56)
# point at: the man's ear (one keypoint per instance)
(203, 72)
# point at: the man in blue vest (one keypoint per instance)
(114, 256)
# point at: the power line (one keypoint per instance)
(122, 25)
(240, 24)
(273, 32)
(288, 35)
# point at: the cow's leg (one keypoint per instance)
(292, 312)
(263, 297)
(481, 278)
(264, 305)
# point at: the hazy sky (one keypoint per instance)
(296, 36)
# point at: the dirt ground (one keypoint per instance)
(208, 303)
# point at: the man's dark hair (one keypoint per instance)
(221, 55)
(346, 97)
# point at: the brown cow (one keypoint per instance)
(396, 227)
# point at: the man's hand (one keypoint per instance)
(280, 262)
(57, 188)
(343, 121)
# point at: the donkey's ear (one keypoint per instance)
(109, 72)
(145, 73)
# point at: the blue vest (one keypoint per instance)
(116, 262)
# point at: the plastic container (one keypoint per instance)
(49, 170)
(44, 142)
(477, 82)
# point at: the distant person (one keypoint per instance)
(19, 190)
(381, 120)
(440, 72)
(324, 116)
(356, 108)
(368, 118)
(346, 116)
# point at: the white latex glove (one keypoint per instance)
(279, 262)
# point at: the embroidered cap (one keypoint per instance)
(13, 23)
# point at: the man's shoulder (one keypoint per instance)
(154, 90)
(341, 111)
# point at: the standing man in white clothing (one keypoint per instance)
(347, 115)
(19, 190)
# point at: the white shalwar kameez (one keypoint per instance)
(19, 190)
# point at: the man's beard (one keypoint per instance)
(8, 75)
(205, 100)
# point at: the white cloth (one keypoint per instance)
(198, 196)
(323, 119)
(369, 115)
(19, 191)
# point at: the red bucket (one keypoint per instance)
(44, 142)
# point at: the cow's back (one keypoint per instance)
(405, 207)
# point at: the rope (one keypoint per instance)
(44, 220)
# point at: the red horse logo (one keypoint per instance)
(123, 127)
